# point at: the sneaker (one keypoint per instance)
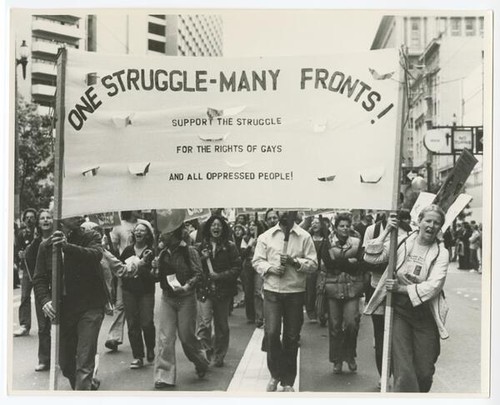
(272, 385)
(22, 331)
(94, 386)
(288, 388)
(160, 385)
(353, 367)
(337, 367)
(42, 367)
(136, 363)
(112, 344)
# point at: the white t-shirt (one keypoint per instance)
(413, 270)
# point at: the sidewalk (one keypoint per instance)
(252, 374)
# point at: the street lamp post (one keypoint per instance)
(23, 61)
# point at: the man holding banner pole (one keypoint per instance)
(284, 255)
(83, 298)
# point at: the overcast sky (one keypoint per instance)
(276, 33)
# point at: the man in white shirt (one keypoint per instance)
(284, 274)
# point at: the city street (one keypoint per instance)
(458, 368)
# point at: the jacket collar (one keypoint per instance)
(276, 228)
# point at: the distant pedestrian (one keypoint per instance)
(24, 239)
(463, 236)
(475, 247)
(284, 274)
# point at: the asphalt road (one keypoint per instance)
(458, 368)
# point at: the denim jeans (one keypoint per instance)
(116, 328)
(78, 346)
(177, 315)
(258, 299)
(415, 350)
(286, 308)
(343, 327)
(25, 306)
(218, 311)
(44, 326)
(139, 309)
(310, 299)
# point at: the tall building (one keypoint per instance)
(114, 31)
(44, 35)
(158, 34)
(445, 60)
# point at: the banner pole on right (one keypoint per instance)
(402, 110)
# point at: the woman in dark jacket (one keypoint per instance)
(179, 271)
(345, 284)
(139, 296)
(221, 267)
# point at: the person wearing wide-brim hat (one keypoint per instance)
(179, 269)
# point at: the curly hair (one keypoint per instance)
(342, 216)
(226, 231)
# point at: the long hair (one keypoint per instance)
(225, 228)
(323, 228)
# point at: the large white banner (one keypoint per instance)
(174, 132)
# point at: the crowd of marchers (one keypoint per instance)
(276, 265)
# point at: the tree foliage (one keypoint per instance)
(35, 165)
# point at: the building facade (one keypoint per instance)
(109, 32)
(445, 61)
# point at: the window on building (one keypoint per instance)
(481, 26)
(456, 26)
(470, 26)
(161, 16)
(156, 46)
(156, 29)
(415, 31)
(442, 25)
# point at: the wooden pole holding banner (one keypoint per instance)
(386, 356)
(56, 252)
